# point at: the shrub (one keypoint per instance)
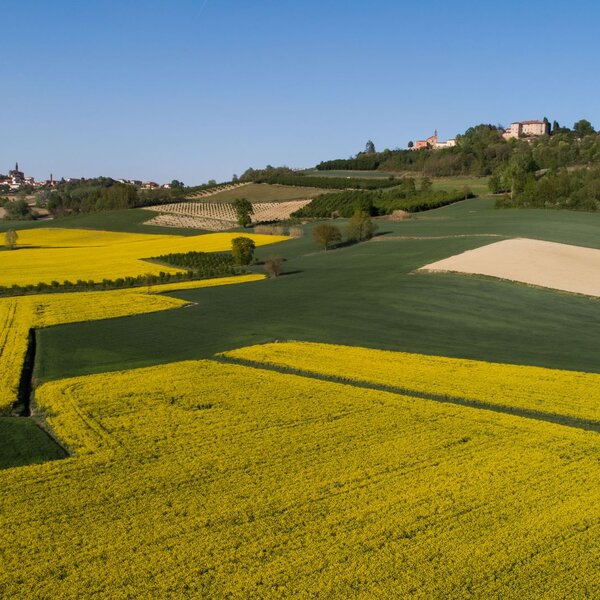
(274, 266)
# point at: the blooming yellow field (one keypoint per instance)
(568, 393)
(203, 479)
(20, 314)
(46, 255)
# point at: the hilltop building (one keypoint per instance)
(16, 178)
(520, 129)
(432, 143)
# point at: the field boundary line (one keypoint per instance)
(556, 419)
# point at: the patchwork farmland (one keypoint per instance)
(357, 407)
(220, 216)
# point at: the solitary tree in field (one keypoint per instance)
(360, 227)
(242, 250)
(243, 209)
(325, 234)
(274, 266)
(10, 238)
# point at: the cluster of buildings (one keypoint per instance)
(144, 185)
(16, 179)
(432, 143)
(518, 129)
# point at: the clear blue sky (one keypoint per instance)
(195, 90)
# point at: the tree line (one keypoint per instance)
(334, 183)
(481, 149)
(405, 196)
(103, 193)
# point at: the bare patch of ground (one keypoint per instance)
(536, 262)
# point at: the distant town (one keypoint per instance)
(17, 180)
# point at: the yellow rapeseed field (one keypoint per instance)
(21, 313)
(46, 255)
(208, 480)
(568, 393)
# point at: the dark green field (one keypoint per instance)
(366, 295)
(130, 221)
(22, 442)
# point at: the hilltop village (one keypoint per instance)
(17, 180)
(517, 130)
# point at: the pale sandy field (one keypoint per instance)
(547, 264)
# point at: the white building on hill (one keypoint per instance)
(520, 129)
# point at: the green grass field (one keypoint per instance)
(478, 185)
(129, 221)
(23, 442)
(366, 295)
(264, 192)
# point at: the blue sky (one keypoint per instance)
(195, 90)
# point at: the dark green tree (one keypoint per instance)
(242, 250)
(243, 209)
(18, 210)
(583, 128)
(370, 147)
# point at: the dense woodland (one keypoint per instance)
(576, 189)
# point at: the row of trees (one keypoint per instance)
(359, 228)
(291, 178)
(104, 193)
(405, 196)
